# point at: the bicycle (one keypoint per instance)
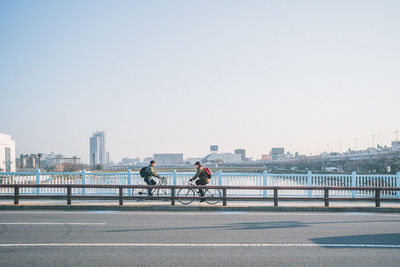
(190, 193)
(160, 192)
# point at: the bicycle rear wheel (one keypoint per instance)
(188, 193)
(212, 193)
(139, 193)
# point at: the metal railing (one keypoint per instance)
(219, 178)
(225, 198)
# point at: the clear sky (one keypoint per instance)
(178, 76)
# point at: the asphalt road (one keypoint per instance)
(106, 238)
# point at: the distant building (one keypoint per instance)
(242, 153)
(168, 159)
(147, 160)
(277, 153)
(223, 158)
(265, 157)
(107, 157)
(97, 149)
(52, 160)
(26, 161)
(193, 160)
(213, 148)
(130, 161)
(7, 153)
(395, 145)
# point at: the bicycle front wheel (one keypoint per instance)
(210, 194)
(163, 192)
(188, 194)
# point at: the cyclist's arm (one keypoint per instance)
(156, 174)
(197, 175)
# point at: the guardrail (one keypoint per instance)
(219, 179)
(172, 197)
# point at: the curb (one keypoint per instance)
(197, 208)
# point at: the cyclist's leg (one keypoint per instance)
(149, 182)
(201, 193)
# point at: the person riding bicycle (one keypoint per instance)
(201, 178)
(150, 172)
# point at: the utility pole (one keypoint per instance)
(397, 135)
(355, 144)
(340, 143)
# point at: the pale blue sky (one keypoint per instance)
(177, 76)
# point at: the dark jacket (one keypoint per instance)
(201, 174)
(151, 172)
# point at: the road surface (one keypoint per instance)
(139, 238)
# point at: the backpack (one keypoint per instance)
(143, 172)
(208, 172)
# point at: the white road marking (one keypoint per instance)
(238, 213)
(196, 245)
(50, 223)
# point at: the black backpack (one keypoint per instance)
(143, 172)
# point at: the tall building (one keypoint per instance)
(242, 153)
(98, 148)
(107, 157)
(7, 153)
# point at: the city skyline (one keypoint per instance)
(99, 138)
(176, 77)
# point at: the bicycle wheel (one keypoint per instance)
(185, 192)
(139, 193)
(163, 192)
(212, 193)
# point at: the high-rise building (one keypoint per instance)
(241, 152)
(7, 153)
(98, 148)
(107, 157)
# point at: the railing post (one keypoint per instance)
(173, 196)
(83, 181)
(129, 182)
(224, 196)
(16, 195)
(69, 195)
(174, 174)
(37, 181)
(276, 197)
(264, 183)
(309, 182)
(121, 195)
(398, 184)
(220, 178)
(353, 184)
(377, 198)
(326, 197)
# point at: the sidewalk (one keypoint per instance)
(346, 206)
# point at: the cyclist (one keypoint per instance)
(150, 172)
(201, 178)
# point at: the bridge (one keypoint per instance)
(219, 237)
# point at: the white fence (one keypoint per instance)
(219, 178)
